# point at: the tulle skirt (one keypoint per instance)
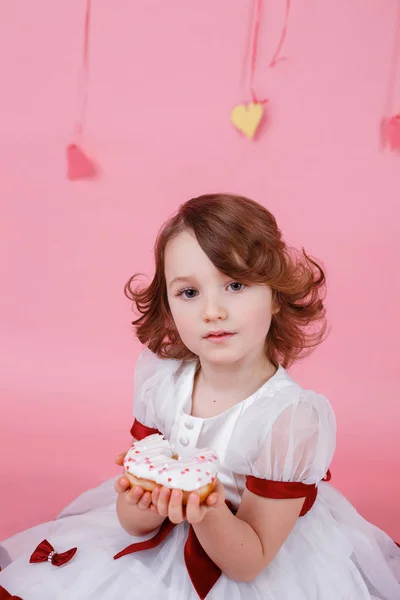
(332, 554)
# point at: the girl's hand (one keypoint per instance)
(119, 460)
(135, 496)
(169, 504)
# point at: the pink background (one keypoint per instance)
(164, 77)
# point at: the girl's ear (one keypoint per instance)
(276, 305)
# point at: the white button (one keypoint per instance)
(189, 425)
(183, 441)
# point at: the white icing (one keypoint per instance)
(151, 458)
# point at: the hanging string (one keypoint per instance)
(84, 75)
(392, 79)
(254, 49)
(276, 58)
(79, 165)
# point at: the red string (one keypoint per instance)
(394, 63)
(254, 50)
(276, 57)
(84, 75)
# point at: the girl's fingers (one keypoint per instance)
(163, 501)
(155, 494)
(212, 499)
(119, 460)
(134, 495)
(153, 509)
(175, 511)
(121, 485)
(145, 501)
(193, 509)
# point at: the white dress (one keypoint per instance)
(280, 433)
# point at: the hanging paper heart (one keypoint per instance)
(247, 118)
(393, 132)
(390, 123)
(79, 166)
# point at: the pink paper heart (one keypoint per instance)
(393, 132)
(79, 166)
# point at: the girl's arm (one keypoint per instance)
(245, 544)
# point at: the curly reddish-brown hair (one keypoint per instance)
(243, 241)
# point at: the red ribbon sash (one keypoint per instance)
(4, 595)
(203, 572)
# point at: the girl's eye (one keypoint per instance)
(236, 286)
(187, 293)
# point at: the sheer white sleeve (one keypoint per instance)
(153, 388)
(292, 439)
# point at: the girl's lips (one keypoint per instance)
(219, 339)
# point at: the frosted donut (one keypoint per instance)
(151, 461)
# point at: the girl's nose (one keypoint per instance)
(214, 311)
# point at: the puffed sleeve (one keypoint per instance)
(300, 444)
(291, 447)
(153, 384)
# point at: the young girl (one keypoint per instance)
(229, 309)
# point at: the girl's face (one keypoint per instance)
(204, 300)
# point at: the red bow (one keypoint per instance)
(45, 552)
(202, 570)
(4, 595)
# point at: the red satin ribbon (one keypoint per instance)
(286, 489)
(4, 595)
(203, 572)
(283, 489)
(160, 536)
(43, 551)
(140, 431)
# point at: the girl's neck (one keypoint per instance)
(227, 385)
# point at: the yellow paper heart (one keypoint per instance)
(247, 118)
